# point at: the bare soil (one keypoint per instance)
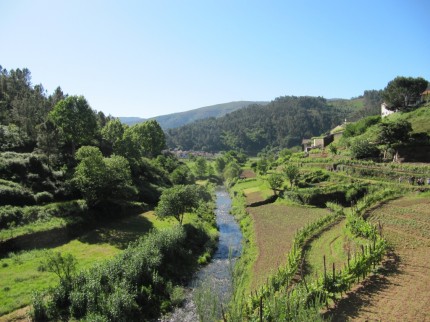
(275, 226)
(401, 290)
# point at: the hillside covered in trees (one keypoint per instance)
(284, 122)
(175, 120)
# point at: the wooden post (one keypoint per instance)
(334, 271)
(325, 271)
(261, 309)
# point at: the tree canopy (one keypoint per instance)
(177, 201)
(76, 120)
(403, 92)
(100, 179)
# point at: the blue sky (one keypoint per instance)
(148, 58)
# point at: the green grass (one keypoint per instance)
(335, 244)
(20, 277)
(19, 274)
(37, 226)
(419, 118)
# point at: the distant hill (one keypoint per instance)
(131, 120)
(284, 122)
(179, 119)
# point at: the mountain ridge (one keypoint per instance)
(175, 120)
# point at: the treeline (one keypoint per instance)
(56, 147)
(282, 123)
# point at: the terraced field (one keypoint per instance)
(403, 292)
(275, 226)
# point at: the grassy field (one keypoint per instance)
(38, 226)
(275, 226)
(255, 189)
(19, 273)
(335, 244)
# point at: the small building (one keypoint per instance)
(384, 111)
(319, 142)
(425, 96)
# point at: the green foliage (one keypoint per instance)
(402, 93)
(394, 132)
(362, 149)
(201, 167)
(359, 127)
(291, 172)
(100, 179)
(11, 138)
(113, 133)
(232, 171)
(135, 286)
(178, 200)
(256, 127)
(276, 181)
(75, 119)
(182, 175)
(64, 266)
(263, 166)
(141, 140)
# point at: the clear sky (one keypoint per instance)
(147, 58)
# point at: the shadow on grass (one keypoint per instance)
(349, 306)
(118, 233)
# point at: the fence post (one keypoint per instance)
(261, 309)
(325, 271)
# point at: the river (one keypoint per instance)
(212, 285)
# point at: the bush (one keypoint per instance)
(15, 196)
(361, 149)
(135, 286)
(43, 197)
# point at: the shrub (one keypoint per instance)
(15, 196)
(43, 197)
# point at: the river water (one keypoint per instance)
(214, 278)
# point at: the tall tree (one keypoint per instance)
(100, 179)
(76, 121)
(403, 92)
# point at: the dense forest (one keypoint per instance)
(282, 123)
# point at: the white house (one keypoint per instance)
(385, 111)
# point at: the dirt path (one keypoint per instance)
(402, 292)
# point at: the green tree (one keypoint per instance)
(142, 140)
(49, 140)
(152, 138)
(220, 164)
(232, 171)
(64, 266)
(262, 165)
(403, 92)
(291, 172)
(201, 167)
(76, 121)
(182, 175)
(276, 180)
(100, 179)
(176, 201)
(393, 133)
(113, 133)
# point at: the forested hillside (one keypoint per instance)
(175, 120)
(284, 122)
